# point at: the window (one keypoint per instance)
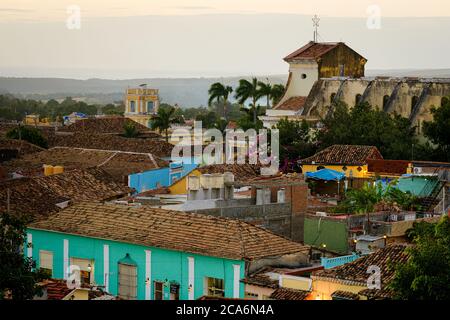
(132, 106)
(46, 261)
(127, 281)
(304, 76)
(251, 296)
(150, 106)
(158, 290)
(341, 70)
(86, 269)
(215, 287)
(358, 99)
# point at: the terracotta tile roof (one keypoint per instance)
(356, 271)
(148, 193)
(56, 289)
(157, 147)
(344, 155)
(292, 104)
(374, 294)
(311, 51)
(289, 294)
(37, 198)
(240, 171)
(102, 125)
(23, 147)
(261, 279)
(174, 230)
(116, 163)
(275, 180)
(28, 199)
(84, 185)
(345, 295)
(381, 166)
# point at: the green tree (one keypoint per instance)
(164, 119)
(426, 274)
(30, 134)
(438, 129)
(220, 92)
(17, 274)
(295, 139)
(247, 120)
(277, 93)
(249, 90)
(265, 90)
(208, 119)
(364, 125)
(111, 109)
(130, 130)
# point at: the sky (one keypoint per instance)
(193, 38)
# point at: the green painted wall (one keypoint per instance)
(165, 264)
(325, 231)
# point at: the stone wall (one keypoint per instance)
(275, 217)
(411, 98)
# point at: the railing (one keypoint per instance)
(329, 263)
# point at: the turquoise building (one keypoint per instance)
(151, 254)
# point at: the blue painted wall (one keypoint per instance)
(149, 180)
(165, 264)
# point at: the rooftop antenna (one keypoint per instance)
(316, 21)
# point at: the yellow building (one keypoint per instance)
(141, 104)
(350, 160)
(181, 186)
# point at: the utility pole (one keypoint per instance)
(316, 21)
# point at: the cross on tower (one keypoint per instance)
(316, 21)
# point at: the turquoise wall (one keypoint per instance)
(165, 264)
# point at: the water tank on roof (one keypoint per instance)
(48, 170)
(193, 183)
(58, 169)
(206, 181)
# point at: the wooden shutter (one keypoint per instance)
(46, 259)
(127, 281)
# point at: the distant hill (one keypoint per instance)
(186, 92)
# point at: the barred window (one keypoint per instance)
(46, 261)
(215, 287)
(127, 281)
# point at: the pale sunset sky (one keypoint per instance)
(184, 38)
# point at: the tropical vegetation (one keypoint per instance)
(426, 274)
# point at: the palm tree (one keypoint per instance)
(248, 90)
(219, 92)
(277, 93)
(265, 90)
(163, 119)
